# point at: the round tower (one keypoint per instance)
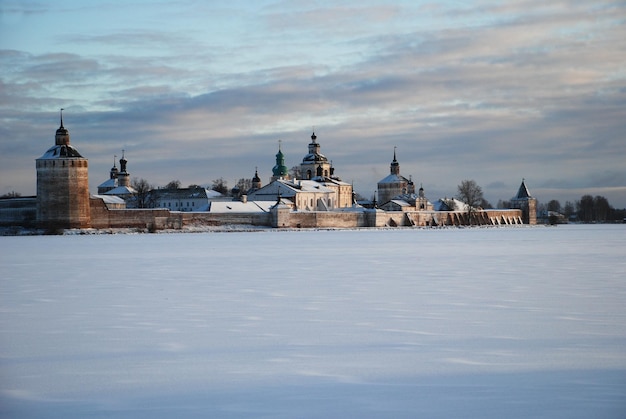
(63, 185)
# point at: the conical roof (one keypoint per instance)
(523, 193)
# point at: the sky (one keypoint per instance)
(195, 91)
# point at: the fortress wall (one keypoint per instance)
(138, 218)
(447, 218)
(161, 218)
(99, 213)
(323, 219)
(221, 219)
(20, 211)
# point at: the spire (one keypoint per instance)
(62, 136)
(394, 168)
(114, 170)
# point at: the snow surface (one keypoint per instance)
(451, 323)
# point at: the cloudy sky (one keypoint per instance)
(198, 90)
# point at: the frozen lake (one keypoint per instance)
(472, 323)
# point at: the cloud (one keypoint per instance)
(494, 93)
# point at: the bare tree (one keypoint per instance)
(485, 204)
(585, 208)
(601, 208)
(569, 209)
(220, 185)
(503, 204)
(554, 206)
(142, 193)
(243, 186)
(174, 184)
(472, 195)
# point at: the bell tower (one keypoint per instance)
(315, 164)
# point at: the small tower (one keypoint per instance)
(114, 172)
(279, 171)
(315, 163)
(410, 186)
(421, 203)
(63, 185)
(111, 182)
(123, 177)
(524, 201)
(394, 167)
(256, 181)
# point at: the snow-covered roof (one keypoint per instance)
(400, 202)
(61, 152)
(185, 193)
(239, 207)
(393, 178)
(332, 180)
(122, 190)
(287, 189)
(449, 204)
(314, 157)
(109, 199)
(310, 186)
(109, 183)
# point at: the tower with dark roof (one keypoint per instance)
(63, 185)
(524, 201)
(256, 181)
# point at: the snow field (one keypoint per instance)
(365, 323)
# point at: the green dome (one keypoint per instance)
(280, 169)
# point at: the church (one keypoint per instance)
(314, 188)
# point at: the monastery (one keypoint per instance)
(315, 198)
